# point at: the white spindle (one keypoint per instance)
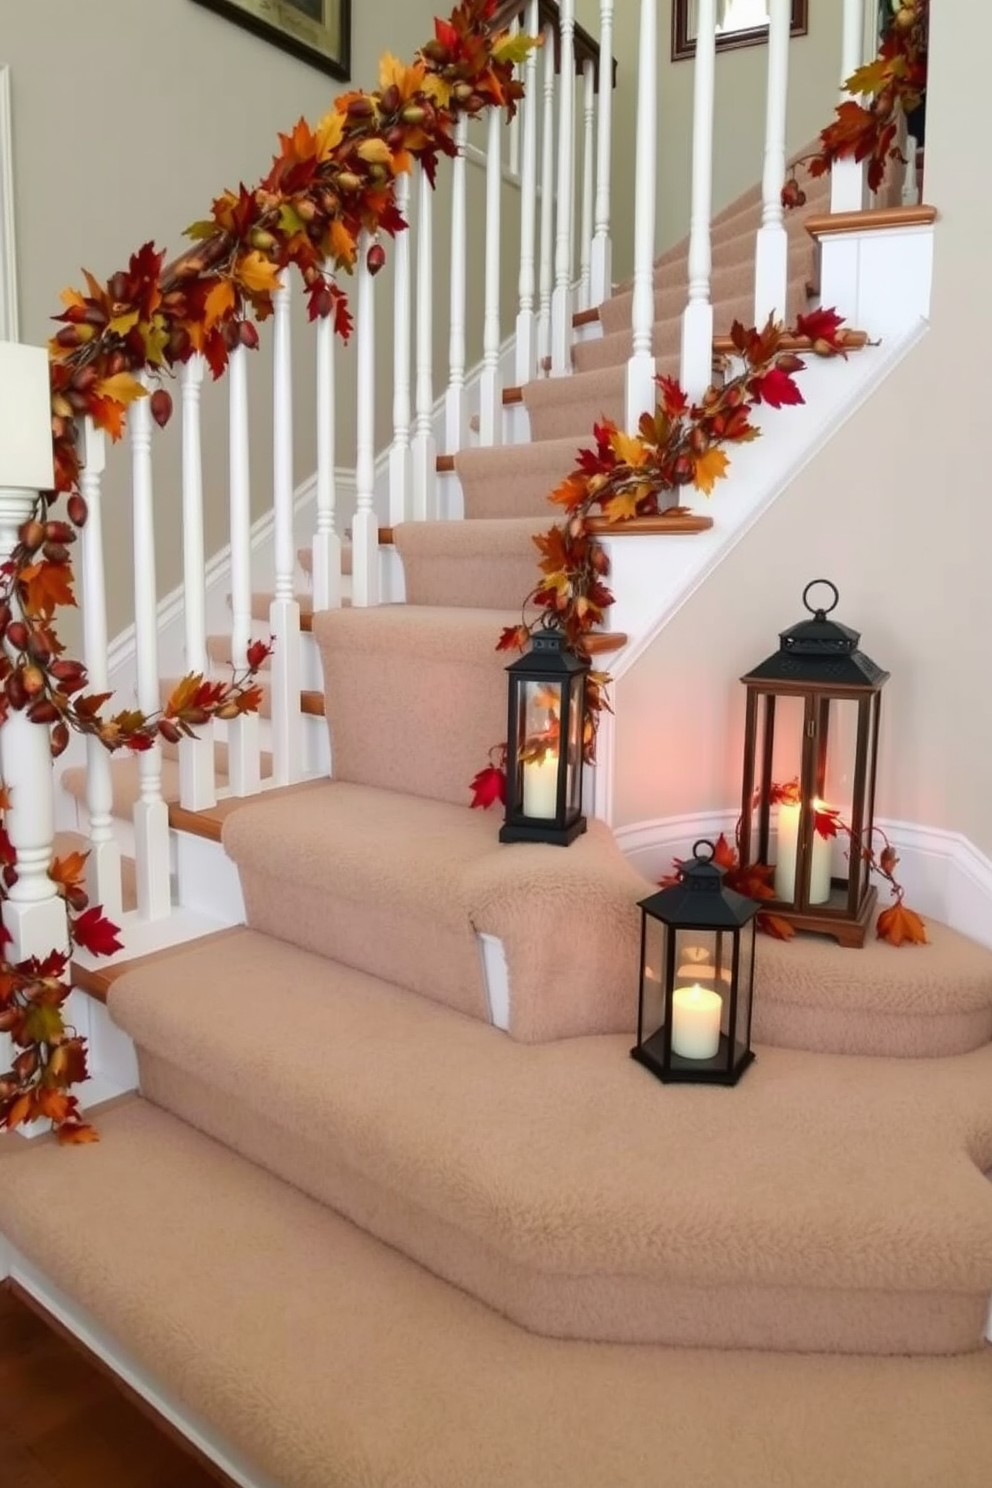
(514, 129)
(103, 866)
(847, 178)
(910, 180)
(601, 262)
(400, 467)
(197, 789)
(697, 319)
(284, 612)
(242, 732)
(526, 351)
(365, 528)
(641, 393)
(546, 263)
(425, 506)
(151, 815)
(771, 266)
(561, 299)
(490, 381)
(588, 181)
(325, 556)
(455, 411)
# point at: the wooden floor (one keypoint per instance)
(65, 1423)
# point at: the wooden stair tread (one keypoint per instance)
(670, 524)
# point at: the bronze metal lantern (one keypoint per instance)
(547, 690)
(810, 756)
(697, 977)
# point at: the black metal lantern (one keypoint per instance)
(697, 977)
(544, 743)
(810, 754)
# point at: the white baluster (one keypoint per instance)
(365, 527)
(697, 318)
(641, 394)
(400, 467)
(197, 789)
(601, 263)
(847, 178)
(561, 298)
(490, 381)
(588, 180)
(242, 732)
(514, 128)
(325, 555)
(455, 411)
(547, 259)
(425, 503)
(284, 612)
(910, 180)
(103, 866)
(151, 815)
(526, 350)
(771, 266)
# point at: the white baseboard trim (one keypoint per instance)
(945, 876)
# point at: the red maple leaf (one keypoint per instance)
(94, 932)
(673, 399)
(776, 388)
(258, 653)
(820, 325)
(489, 787)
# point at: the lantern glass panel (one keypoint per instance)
(651, 1018)
(539, 709)
(701, 998)
(841, 789)
(576, 720)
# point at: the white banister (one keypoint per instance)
(561, 298)
(400, 467)
(641, 393)
(910, 181)
(284, 612)
(425, 507)
(103, 866)
(771, 264)
(547, 251)
(243, 763)
(197, 789)
(588, 181)
(490, 381)
(847, 178)
(697, 319)
(455, 411)
(326, 550)
(365, 528)
(151, 815)
(526, 352)
(601, 260)
(513, 152)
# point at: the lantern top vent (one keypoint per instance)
(699, 900)
(820, 650)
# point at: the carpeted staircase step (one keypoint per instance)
(569, 407)
(401, 887)
(515, 480)
(824, 1204)
(328, 1360)
(127, 783)
(470, 564)
(305, 559)
(261, 603)
(614, 349)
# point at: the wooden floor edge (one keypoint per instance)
(96, 982)
(872, 219)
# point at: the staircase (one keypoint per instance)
(382, 1199)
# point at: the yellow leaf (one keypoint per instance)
(622, 507)
(710, 467)
(156, 339)
(122, 388)
(219, 303)
(394, 73)
(329, 134)
(874, 76)
(344, 249)
(72, 299)
(258, 273)
(437, 89)
(121, 324)
(375, 152)
(513, 49)
(627, 448)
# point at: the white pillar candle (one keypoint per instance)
(541, 787)
(696, 1014)
(786, 852)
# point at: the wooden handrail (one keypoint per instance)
(826, 223)
(587, 48)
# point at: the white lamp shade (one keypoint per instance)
(25, 418)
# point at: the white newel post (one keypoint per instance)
(365, 528)
(847, 178)
(588, 181)
(151, 815)
(284, 612)
(561, 298)
(601, 261)
(455, 410)
(697, 319)
(490, 381)
(771, 265)
(34, 915)
(641, 393)
(526, 353)
(242, 732)
(400, 466)
(326, 550)
(103, 866)
(546, 259)
(425, 506)
(197, 789)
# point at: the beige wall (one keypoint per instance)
(896, 511)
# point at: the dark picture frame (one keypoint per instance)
(684, 41)
(316, 31)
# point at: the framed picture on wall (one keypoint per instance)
(739, 23)
(316, 31)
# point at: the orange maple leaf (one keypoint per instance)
(46, 587)
(709, 468)
(69, 870)
(901, 926)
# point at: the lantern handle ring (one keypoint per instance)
(703, 842)
(818, 611)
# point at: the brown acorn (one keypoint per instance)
(43, 712)
(32, 680)
(119, 286)
(248, 335)
(59, 532)
(699, 441)
(161, 405)
(18, 635)
(169, 731)
(76, 509)
(40, 646)
(31, 534)
(683, 470)
(823, 348)
(26, 1063)
(55, 552)
(60, 740)
(375, 258)
(360, 108)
